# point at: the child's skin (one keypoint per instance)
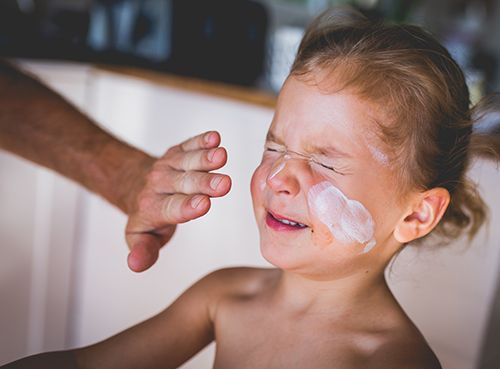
(328, 305)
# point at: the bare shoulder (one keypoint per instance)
(239, 280)
(404, 347)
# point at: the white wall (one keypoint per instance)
(36, 240)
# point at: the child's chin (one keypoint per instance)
(277, 255)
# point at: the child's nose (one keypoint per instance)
(282, 177)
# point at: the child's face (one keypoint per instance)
(324, 168)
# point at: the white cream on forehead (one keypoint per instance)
(378, 155)
(371, 142)
(348, 220)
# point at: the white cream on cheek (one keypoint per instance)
(347, 220)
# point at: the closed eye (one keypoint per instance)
(329, 168)
(274, 149)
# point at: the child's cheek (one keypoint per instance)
(336, 217)
(263, 172)
(258, 182)
(321, 234)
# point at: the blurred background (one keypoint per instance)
(155, 72)
(241, 42)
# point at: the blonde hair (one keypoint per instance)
(422, 89)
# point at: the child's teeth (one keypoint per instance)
(289, 222)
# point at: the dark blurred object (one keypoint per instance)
(41, 31)
(213, 39)
(17, 28)
(219, 39)
(143, 26)
(130, 32)
(486, 62)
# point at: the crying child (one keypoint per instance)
(367, 152)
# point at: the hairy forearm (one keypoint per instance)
(49, 360)
(41, 126)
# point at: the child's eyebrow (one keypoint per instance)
(326, 150)
(272, 137)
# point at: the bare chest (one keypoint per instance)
(247, 339)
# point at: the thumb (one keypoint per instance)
(144, 252)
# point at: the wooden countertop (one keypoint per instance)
(239, 93)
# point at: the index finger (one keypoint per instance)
(206, 140)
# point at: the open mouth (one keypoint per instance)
(278, 222)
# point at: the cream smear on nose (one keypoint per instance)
(347, 220)
(278, 169)
(273, 174)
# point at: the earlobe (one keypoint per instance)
(423, 217)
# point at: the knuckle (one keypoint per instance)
(188, 143)
(183, 180)
(171, 151)
(156, 175)
(186, 161)
(144, 202)
(168, 209)
(166, 162)
(153, 176)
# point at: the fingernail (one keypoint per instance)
(207, 137)
(196, 200)
(214, 183)
(211, 155)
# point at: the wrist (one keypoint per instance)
(117, 172)
(131, 178)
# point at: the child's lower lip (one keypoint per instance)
(278, 226)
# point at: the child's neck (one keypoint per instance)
(300, 294)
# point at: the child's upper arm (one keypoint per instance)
(166, 340)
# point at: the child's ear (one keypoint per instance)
(426, 213)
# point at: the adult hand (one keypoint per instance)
(176, 189)
(156, 193)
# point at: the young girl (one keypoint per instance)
(367, 152)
